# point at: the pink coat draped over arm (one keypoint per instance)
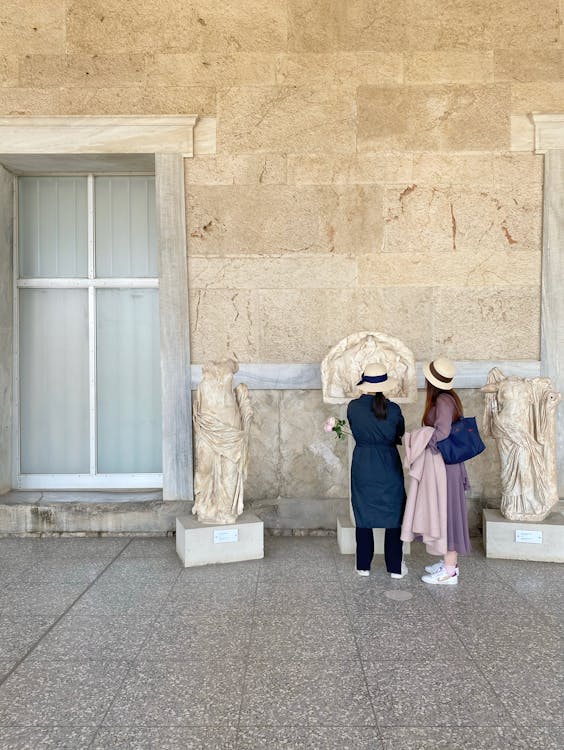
(426, 507)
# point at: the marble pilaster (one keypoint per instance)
(6, 361)
(552, 303)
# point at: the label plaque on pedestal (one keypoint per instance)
(205, 544)
(542, 541)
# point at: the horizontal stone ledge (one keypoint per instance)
(469, 374)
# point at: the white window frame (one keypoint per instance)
(170, 139)
(93, 480)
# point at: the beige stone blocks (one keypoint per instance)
(211, 69)
(518, 170)
(84, 100)
(422, 167)
(69, 71)
(300, 325)
(349, 69)
(496, 320)
(450, 269)
(522, 65)
(443, 118)
(313, 26)
(244, 169)
(274, 219)
(431, 219)
(430, 168)
(32, 27)
(286, 119)
(485, 25)
(8, 70)
(491, 323)
(170, 100)
(449, 66)
(224, 323)
(404, 312)
(349, 169)
(21, 101)
(274, 272)
(203, 25)
(434, 24)
(537, 97)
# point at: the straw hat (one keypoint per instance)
(375, 379)
(440, 372)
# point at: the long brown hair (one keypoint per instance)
(431, 399)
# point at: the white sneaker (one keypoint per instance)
(362, 572)
(436, 567)
(403, 573)
(442, 578)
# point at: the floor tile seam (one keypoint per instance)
(507, 586)
(313, 725)
(441, 610)
(130, 666)
(360, 662)
(530, 605)
(516, 727)
(60, 617)
(247, 658)
(479, 669)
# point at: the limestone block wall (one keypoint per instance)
(374, 169)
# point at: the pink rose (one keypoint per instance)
(329, 424)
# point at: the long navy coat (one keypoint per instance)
(377, 489)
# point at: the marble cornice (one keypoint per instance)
(308, 376)
(549, 132)
(92, 134)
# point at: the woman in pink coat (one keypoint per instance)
(442, 408)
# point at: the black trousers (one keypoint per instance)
(393, 549)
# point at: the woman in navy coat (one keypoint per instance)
(377, 489)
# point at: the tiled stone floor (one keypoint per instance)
(109, 643)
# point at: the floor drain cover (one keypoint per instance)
(400, 596)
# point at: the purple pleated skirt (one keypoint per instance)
(458, 538)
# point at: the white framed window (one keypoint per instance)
(87, 388)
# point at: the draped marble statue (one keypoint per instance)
(520, 413)
(344, 364)
(222, 421)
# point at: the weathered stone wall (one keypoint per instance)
(364, 177)
(374, 169)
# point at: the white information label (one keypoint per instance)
(528, 537)
(221, 536)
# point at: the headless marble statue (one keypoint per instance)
(520, 413)
(222, 420)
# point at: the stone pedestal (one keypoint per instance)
(204, 544)
(347, 542)
(524, 540)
